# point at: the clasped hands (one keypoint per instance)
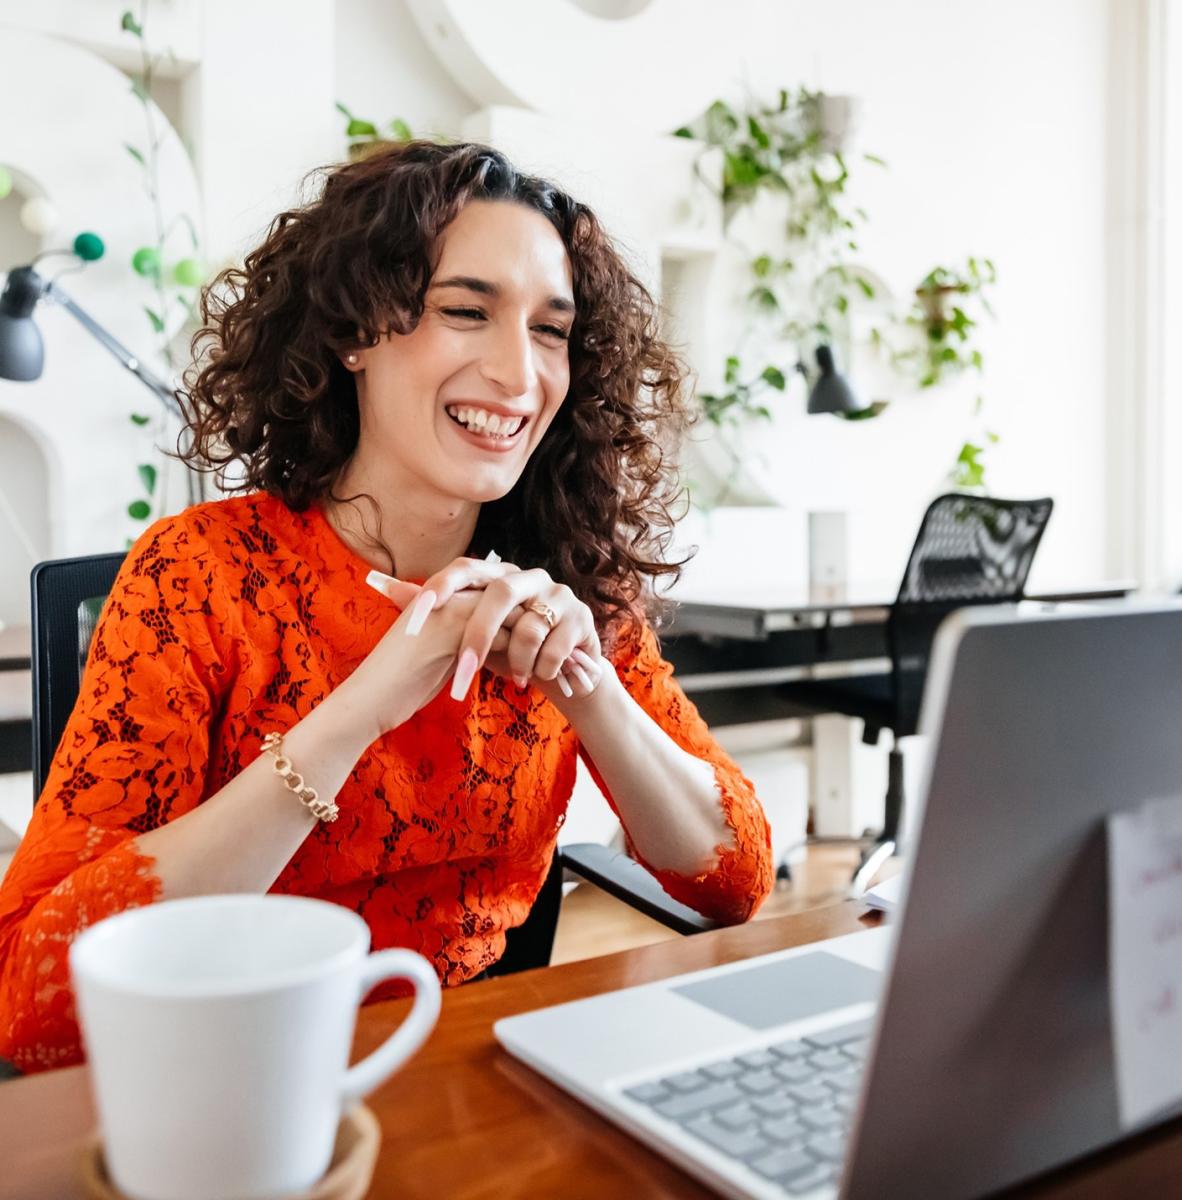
(522, 625)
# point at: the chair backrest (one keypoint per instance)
(67, 596)
(969, 550)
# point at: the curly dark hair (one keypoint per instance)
(269, 397)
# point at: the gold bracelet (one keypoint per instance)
(322, 810)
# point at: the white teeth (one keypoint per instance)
(480, 420)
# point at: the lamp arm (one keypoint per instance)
(163, 392)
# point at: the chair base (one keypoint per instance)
(886, 845)
(870, 865)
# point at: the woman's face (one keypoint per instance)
(460, 404)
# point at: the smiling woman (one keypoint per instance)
(441, 392)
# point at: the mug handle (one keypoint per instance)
(376, 1068)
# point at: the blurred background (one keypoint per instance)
(971, 210)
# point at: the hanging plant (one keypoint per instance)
(365, 138)
(803, 292)
(174, 274)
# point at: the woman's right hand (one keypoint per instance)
(417, 655)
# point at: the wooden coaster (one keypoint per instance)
(348, 1177)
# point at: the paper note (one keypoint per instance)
(1145, 956)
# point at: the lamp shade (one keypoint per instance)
(832, 392)
(22, 352)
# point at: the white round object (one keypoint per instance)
(39, 216)
(627, 64)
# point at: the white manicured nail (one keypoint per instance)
(492, 556)
(563, 686)
(420, 610)
(378, 581)
(584, 678)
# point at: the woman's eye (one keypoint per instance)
(554, 331)
(469, 313)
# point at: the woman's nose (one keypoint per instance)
(509, 361)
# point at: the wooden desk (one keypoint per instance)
(465, 1121)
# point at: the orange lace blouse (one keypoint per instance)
(235, 618)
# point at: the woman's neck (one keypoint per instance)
(383, 518)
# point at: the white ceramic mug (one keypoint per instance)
(218, 1032)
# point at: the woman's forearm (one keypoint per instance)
(242, 837)
(666, 796)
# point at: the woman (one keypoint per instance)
(439, 380)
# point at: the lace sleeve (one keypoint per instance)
(742, 876)
(132, 757)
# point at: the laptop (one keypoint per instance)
(967, 1046)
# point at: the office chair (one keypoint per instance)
(969, 550)
(67, 598)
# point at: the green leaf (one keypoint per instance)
(139, 419)
(343, 111)
(762, 266)
(358, 128)
(139, 158)
(758, 133)
(764, 297)
(401, 130)
(732, 369)
(147, 474)
(139, 509)
(775, 377)
(683, 132)
(154, 317)
(129, 23)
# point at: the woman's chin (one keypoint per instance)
(483, 488)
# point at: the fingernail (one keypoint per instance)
(465, 669)
(583, 657)
(492, 556)
(563, 686)
(420, 610)
(377, 581)
(521, 681)
(584, 678)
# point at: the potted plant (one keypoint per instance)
(365, 138)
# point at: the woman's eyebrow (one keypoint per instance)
(487, 288)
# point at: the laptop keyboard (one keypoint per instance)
(783, 1110)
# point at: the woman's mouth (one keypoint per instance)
(486, 428)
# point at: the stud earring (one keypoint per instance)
(351, 359)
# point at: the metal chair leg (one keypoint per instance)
(887, 843)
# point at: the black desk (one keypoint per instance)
(730, 648)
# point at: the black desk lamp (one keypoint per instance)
(22, 351)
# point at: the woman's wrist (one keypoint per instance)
(347, 720)
(607, 703)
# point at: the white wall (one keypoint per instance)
(991, 118)
(252, 89)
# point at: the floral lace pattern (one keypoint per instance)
(235, 618)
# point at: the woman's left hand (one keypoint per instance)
(552, 642)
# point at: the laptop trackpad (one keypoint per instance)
(789, 989)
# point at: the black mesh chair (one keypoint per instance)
(67, 598)
(969, 550)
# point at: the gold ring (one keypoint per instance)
(544, 611)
